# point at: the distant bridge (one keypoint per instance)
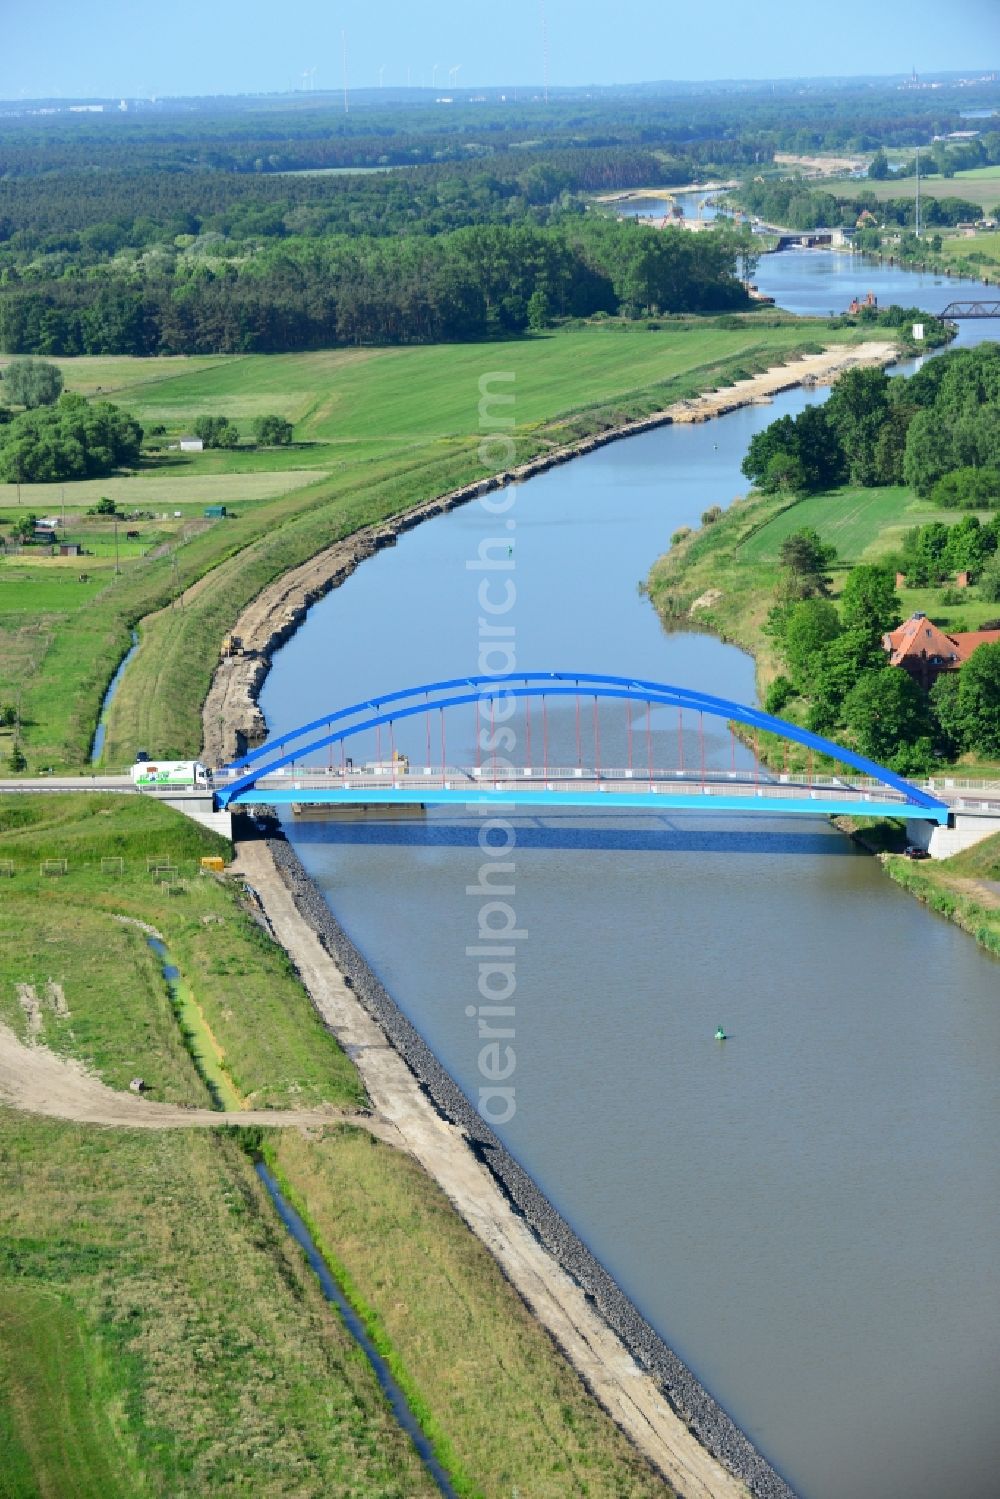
(982, 308)
(591, 743)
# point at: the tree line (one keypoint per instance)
(792, 204)
(470, 284)
(876, 430)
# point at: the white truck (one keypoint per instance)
(171, 775)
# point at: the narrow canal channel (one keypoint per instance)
(809, 1213)
(219, 1086)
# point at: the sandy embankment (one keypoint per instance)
(231, 718)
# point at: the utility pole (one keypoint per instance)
(918, 192)
(117, 568)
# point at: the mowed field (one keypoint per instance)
(430, 392)
(959, 246)
(863, 524)
(981, 186)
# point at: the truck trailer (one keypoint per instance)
(171, 775)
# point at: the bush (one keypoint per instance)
(968, 489)
(989, 582)
(711, 515)
(681, 534)
(781, 690)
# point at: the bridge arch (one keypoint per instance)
(371, 714)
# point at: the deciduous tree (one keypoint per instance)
(32, 382)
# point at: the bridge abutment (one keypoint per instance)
(964, 831)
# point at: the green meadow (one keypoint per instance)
(863, 524)
(160, 1334)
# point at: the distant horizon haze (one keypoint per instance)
(114, 49)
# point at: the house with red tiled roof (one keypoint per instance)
(925, 651)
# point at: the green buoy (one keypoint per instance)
(720, 1034)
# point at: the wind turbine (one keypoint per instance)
(343, 40)
(453, 74)
(434, 75)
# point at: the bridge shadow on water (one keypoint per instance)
(659, 834)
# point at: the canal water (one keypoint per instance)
(808, 1213)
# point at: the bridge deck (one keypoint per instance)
(624, 789)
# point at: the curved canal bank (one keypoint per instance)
(231, 717)
(655, 1400)
(404, 651)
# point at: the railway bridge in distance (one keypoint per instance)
(977, 308)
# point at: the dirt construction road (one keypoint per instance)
(38, 1081)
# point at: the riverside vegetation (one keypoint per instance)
(807, 583)
(158, 1331)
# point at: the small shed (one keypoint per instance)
(192, 445)
(214, 512)
(70, 549)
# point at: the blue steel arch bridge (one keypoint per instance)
(564, 739)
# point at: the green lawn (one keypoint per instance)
(863, 524)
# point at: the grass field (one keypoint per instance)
(981, 186)
(159, 492)
(388, 427)
(863, 524)
(425, 393)
(980, 244)
(159, 1334)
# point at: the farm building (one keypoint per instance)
(925, 651)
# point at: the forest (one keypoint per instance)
(262, 228)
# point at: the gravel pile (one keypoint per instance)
(706, 1418)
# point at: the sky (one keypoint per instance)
(108, 48)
